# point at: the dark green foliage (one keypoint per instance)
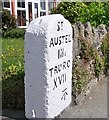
(70, 10)
(9, 29)
(13, 33)
(8, 21)
(94, 12)
(13, 91)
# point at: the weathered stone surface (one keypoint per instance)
(88, 32)
(94, 36)
(75, 41)
(101, 31)
(80, 28)
(107, 28)
(48, 66)
(88, 29)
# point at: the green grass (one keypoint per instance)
(12, 52)
(12, 73)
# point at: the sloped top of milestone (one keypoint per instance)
(40, 25)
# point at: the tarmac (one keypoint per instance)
(94, 105)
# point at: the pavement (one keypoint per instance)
(94, 105)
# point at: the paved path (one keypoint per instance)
(94, 106)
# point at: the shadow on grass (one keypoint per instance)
(14, 114)
(13, 98)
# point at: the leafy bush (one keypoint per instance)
(70, 10)
(13, 87)
(13, 33)
(9, 29)
(8, 21)
(94, 12)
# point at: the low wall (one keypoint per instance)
(93, 35)
(86, 70)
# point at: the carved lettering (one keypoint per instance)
(59, 80)
(59, 40)
(60, 67)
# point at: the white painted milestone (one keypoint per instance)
(48, 66)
